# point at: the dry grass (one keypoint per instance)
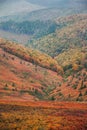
(42, 116)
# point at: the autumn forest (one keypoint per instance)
(43, 65)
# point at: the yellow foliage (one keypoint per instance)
(75, 67)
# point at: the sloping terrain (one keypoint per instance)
(43, 83)
(20, 79)
(21, 74)
(21, 12)
(43, 21)
(35, 29)
(44, 14)
(32, 56)
(30, 75)
(72, 34)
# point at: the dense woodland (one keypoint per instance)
(36, 28)
(72, 34)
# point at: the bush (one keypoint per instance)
(80, 94)
(85, 93)
(79, 99)
(52, 98)
(74, 86)
(6, 87)
(60, 94)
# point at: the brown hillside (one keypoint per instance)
(32, 56)
(24, 80)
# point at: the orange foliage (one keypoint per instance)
(42, 115)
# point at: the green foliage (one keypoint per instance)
(26, 75)
(80, 94)
(36, 93)
(22, 91)
(71, 34)
(52, 98)
(80, 99)
(85, 65)
(83, 86)
(67, 67)
(36, 28)
(60, 94)
(85, 93)
(74, 86)
(6, 87)
(13, 84)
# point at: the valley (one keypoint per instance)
(43, 65)
(20, 38)
(37, 75)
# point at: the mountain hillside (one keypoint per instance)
(17, 17)
(43, 64)
(35, 29)
(32, 56)
(72, 34)
(23, 77)
(31, 75)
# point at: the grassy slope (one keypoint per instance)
(20, 79)
(32, 82)
(24, 77)
(32, 56)
(71, 56)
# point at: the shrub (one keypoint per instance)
(52, 98)
(85, 93)
(6, 87)
(80, 94)
(74, 86)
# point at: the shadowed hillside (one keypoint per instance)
(72, 34)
